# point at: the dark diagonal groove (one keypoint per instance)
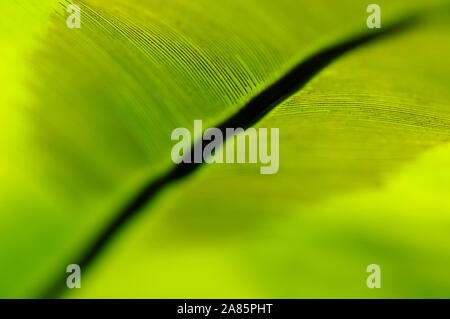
(252, 112)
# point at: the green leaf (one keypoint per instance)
(363, 179)
(87, 113)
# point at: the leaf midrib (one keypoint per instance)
(253, 111)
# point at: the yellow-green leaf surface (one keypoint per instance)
(364, 179)
(86, 114)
